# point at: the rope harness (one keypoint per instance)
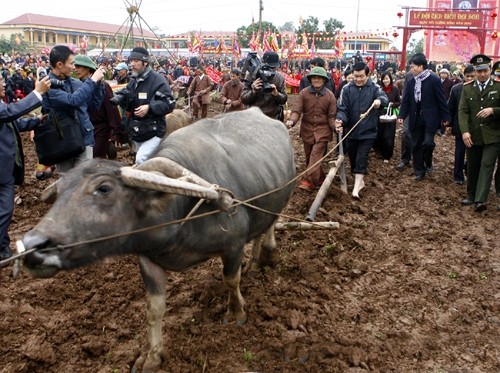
(190, 216)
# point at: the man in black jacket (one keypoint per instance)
(146, 100)
(454, 128)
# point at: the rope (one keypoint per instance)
(190, 215)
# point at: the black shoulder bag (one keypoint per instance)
(60, 140)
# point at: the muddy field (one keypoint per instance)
(409, 283)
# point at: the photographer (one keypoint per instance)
(263, 87)
(146, 100)
(69, 97)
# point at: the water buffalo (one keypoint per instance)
(202, 169)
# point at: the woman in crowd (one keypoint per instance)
(384, 144)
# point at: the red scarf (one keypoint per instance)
(388, 89)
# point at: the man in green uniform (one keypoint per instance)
(479, 119)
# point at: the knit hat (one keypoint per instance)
(444, 71)
(139, 53)
(85, 61)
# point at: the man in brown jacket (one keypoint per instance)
(231, 93)
(200, 87)
(319, 108)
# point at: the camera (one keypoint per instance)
(256, 70)
(120, 97)
(54, 83)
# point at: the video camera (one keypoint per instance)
(257, 70)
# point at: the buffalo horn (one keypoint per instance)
(153, 181)
(49, 194)
(172, 169)
(176, 171)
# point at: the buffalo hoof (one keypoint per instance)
(268, 258)
(146, 364)
(239, 320)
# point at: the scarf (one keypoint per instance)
(418, 84)
(387, 89)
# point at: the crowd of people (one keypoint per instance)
(351, 98)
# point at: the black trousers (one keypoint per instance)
(422, 147)
(358, 151)
(405, 143)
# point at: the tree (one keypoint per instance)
(15, 43)
(310, 25)
(333, 25)
(414, 46)
(288, 26)
(244, 33)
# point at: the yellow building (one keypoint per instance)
(42, 31)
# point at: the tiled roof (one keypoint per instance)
(74, 24)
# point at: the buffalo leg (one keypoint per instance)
(154, 280)
(256, 249)
(268, 253)
(232, 277)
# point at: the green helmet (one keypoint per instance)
(317, 71)
(85, 61)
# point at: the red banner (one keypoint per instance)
(291, 81)
(446, 18)
(215, 75)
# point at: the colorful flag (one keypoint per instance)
(236, 48)
(274, 42)
(313, 48)
(338, 45)
(251, 43)
(220, 46)
(267, 41)
(305, 47)
(196, 45)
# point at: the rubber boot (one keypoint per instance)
(358, 184)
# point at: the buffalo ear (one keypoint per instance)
(49, 195)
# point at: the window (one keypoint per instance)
(39, 36)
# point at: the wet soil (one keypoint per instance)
(409, 283)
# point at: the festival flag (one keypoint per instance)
(252, 44)
(196, 45)
(236, 48)
(338, 45)
(266, 42)
(220, 46)
(274, 42)
(313, 48)
(84, 43)
(257, 42)
(304, 46)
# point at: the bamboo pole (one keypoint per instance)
(304, 226)
(324, 189)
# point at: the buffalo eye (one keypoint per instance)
(103, 190)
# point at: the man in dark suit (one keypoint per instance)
(478, 116)
(11, 152)
(454, 128)
(425, 105)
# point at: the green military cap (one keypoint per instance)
(480, 62)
